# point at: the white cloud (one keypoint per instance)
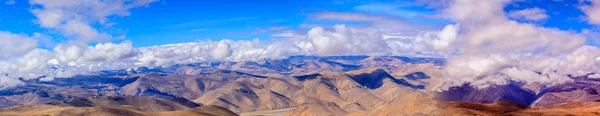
(225, 50)
(582, 61)
(34, 64)
(14, 45)
(486, 29)
(221, 50)
(68, 53)
(48, 78)
(446, 37)
(492, 50)
(68, 60)
(173, 53)
(594, 76)
(489, 70)
(476, 10)
(7, 82)
(82, 31)
(531, 14)
(345, 40)
(75, 17)
(592, 12)
(109, 52)
(510, 37)
(49, 18)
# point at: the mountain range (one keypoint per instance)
(294, 86)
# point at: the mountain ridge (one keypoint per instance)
(351, 85)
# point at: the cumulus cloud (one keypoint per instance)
(171, 54)
(492, 50)
(74, 18)
(486, 29)
(531, 14)
(445, 37)
(476, 10)
(489, 70)
(221, 50)
(68, 53)
(592, 12)
(225, 50)
(582, 61)
(13, 45)
(510, 36)
(344, 40)
(109, 52)
(69, 60)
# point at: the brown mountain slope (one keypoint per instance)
(513, 109)
(564, 109)
(26, 99)
(186, 86)
(382, 61)
(382, 84)
(578, 91)
(50, 110)
(146, 104)
(463, 108)
(411, 104)
(255, 94)
(492, 109)
(318, 109)
(242, 96)
(252, 94)
(423, 104)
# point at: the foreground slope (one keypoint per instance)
(118, 106)
(146, 104)
(50, 110)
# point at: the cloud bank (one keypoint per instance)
(493, 50)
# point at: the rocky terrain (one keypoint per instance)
(36, 110)
(118, 105)
(310, 85)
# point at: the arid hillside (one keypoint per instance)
(296, 86)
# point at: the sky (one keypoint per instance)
(486, 42)
(178, 21)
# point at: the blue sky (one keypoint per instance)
(564, 15)
(177, 21)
